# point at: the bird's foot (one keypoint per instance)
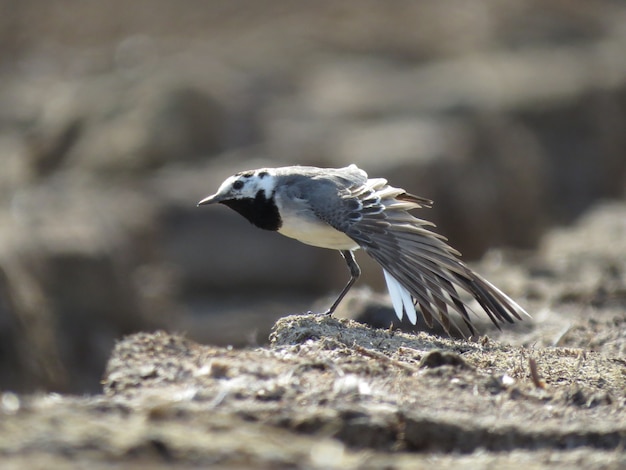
(327, 313)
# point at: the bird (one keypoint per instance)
(345, 210)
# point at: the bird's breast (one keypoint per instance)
(317, 233)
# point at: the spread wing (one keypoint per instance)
(419, 262)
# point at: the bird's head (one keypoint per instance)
(251, 184)
(251, 193)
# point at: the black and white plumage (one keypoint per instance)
(343, 209)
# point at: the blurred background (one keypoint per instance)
(117, 117)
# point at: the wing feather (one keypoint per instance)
(420, 260)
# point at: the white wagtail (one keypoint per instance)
(343, 210)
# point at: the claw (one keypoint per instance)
(326, 313)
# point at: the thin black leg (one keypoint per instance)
(355, 272)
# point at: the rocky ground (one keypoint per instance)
(333, 393)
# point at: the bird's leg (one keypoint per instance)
(355, 272)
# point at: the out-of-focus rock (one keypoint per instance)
(68, 253)
(30, 356)
(575, 284)
(16, 170)
(504, 81)
(583, 144)
(118, 124)
(589, 259)
(146, 127)
(584, 263)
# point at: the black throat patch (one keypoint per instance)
(261, 211)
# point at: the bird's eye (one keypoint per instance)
(238, 184)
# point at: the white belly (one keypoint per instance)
(317, 234)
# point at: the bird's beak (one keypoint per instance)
(209, 200)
